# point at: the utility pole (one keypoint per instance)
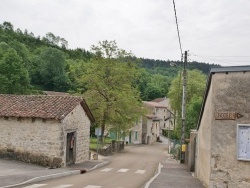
(183, 110)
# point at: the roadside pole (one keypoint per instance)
(183, 113)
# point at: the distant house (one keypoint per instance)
(159, 108)
(135, 133)
(223, 135)
(46, 130)
(150, 129)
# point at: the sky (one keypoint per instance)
(211, 31)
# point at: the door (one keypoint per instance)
(71, 148)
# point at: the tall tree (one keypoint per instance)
(52, 70)
(14, 77)
(110, 92)
(196, 82)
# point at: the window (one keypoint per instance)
(136, 135)
(243, 142)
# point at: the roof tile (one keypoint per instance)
(39, 106)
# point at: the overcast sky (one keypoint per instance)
(214, 31)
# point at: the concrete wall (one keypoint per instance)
(231, 94)
(202, 166)
(44, 141)
(217, 164)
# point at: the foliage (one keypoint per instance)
(195, 88)
(14, 78)
(110, 92)
(52, 70)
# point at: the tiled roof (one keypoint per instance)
(154, 104)
(153, 117)
(40, 106)
(55, 93)
(158, 99)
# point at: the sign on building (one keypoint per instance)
(243, 142)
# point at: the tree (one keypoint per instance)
(52, 70)
(14, 77)
(110, 92)
(193, 111)
(196, 82)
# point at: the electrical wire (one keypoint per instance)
(177, 28)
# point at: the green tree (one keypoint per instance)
(52, 70)
(14, 77)
(193, 111)
(196, 82)
(110, 92)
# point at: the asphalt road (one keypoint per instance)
(130, 169)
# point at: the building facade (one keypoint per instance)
(45, 130)
(222, 145)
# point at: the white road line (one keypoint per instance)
(35, 185)
(63, 186)
(106, 169)
(123, 170)
(92, 186)
(140, 171)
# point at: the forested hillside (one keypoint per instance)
(30, 64)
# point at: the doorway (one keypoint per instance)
(71, 148)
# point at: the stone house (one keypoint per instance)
(223, 131)
(159, 108)
(150, 129)
(152, 121)
(46, 130)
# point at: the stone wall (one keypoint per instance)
(31, 140)
(43, 141)
(78, 121)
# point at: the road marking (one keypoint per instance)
(35, 185)
(123, 170)
(92, 186)
(140, 171)
(63, 186)
(106, 169)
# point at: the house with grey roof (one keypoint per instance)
(222, 156)
(45, 130)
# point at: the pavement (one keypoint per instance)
(170, 174)
(15, 173)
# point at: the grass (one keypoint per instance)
(93, 143)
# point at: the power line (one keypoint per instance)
(177, 28)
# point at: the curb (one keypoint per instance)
(42, 178)
(99, 165)
(155, 176)
(52, 176)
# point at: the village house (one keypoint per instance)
(223, 134)
(159, 108)
(46, 130)
(135, 133)
(150, 129)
